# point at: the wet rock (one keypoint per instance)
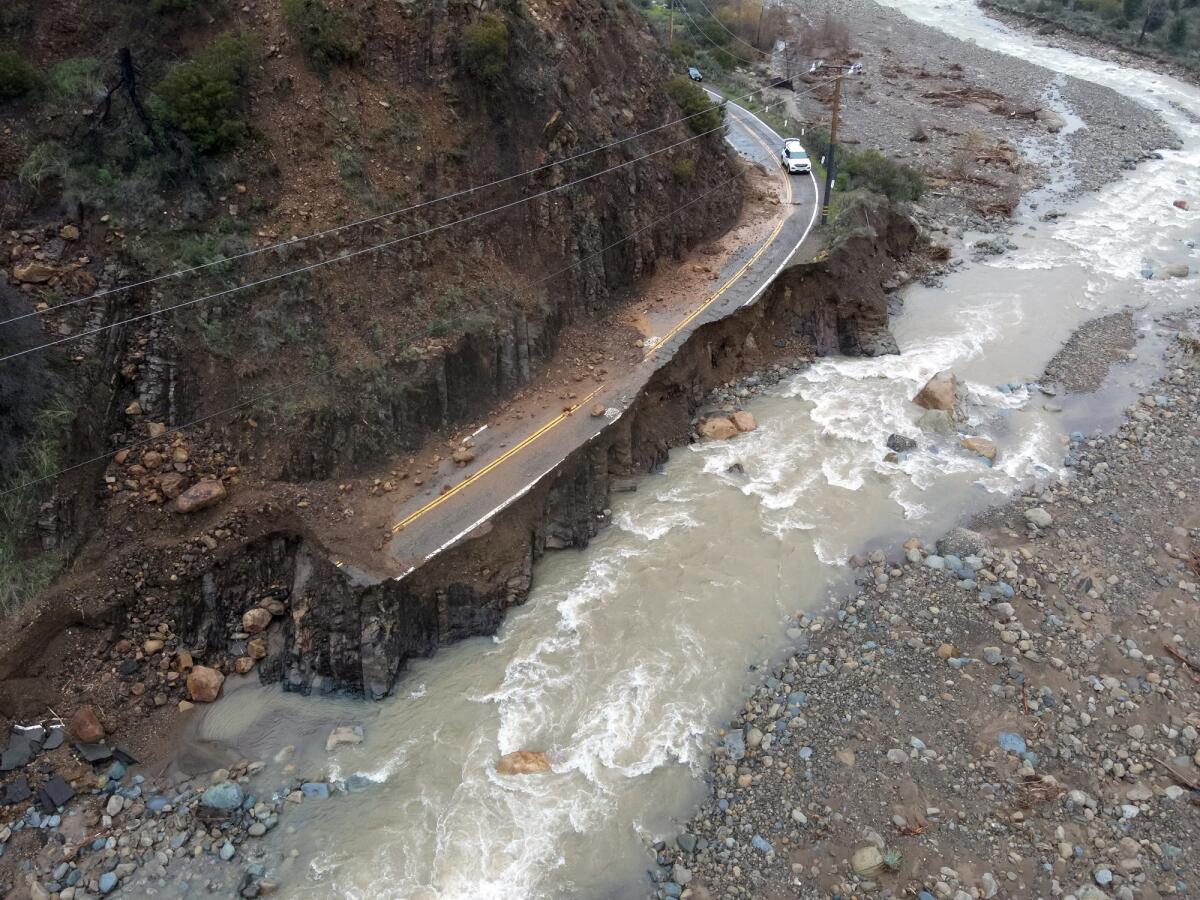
(981, 446)
(718, 428)
(85, 726)
(1180, 204)
(343, 734)
(743, 420)
(200, 496)
(204, 684)
(940, 392)
(937, 420)
(1177, 270)
(1039, 517)
(225, 796)
(523, 762)
(315, 790)
(900, 444)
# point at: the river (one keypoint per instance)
(630, 653)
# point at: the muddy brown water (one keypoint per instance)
(629, 654)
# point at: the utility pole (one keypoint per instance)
(762, 8)
(671, 39)
(831, 152)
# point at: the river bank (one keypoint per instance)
(1010, 712)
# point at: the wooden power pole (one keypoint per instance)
(831, 154)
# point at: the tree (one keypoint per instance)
(1156, 17)
(1178, 33)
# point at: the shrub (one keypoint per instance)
(206, 97)
(327, 36)
(684, 170)
(872, 170)
(705, 115)
(1177, 35)
(485, 48)
(17, 77)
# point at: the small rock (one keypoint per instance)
(867, 861)
(200, 496)
(256, 620)
(1039, 517)
(343, 734)
(981, 446)
(85, 726)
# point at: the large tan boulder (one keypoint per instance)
(940, 392)
(204, 684)
(255, 621)
(85, 726)
(34, 272)
(717, 428)
(200, 496)
(743, 420)
(985, 448)
(523, 762)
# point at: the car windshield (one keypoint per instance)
(794, 153)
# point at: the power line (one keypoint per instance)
(351, 255)
(398, 212)
(336, 367)
(713, 16)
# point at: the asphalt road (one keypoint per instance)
(512, 457)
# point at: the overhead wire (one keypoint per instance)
(338, 366)
(291, 242)
(356, 253)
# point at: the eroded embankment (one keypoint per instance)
(340, 632)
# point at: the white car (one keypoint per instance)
(794, 158)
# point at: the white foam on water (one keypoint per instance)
(651, 523)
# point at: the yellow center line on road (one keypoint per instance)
(665, 339)
(433, 504)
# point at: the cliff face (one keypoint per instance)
(359, 358)
(340, 633)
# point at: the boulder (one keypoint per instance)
(940, 392)
(243, 665)
(69, 232)
(200, 496)
(900, 443)
(938, 420)
(743, 420)
(34, 272)
(343, 734)
(982, 446)
(718, 428)
(152, 646)
(1053, 121)
(204, 684)
(1177, 270)
(172, 484)
(85, 726)
(1180, 204)
(867, 862)
(523, 762)
(462, 456)
(1039, 517)
(225, 796)
(255, 621)
(597, 410)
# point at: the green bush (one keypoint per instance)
(206, 97)
(684, 170)
(485, 48)
(874, 171)
(17, 77)
(328, 36)
(705, 115)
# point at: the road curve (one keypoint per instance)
(512, 457)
